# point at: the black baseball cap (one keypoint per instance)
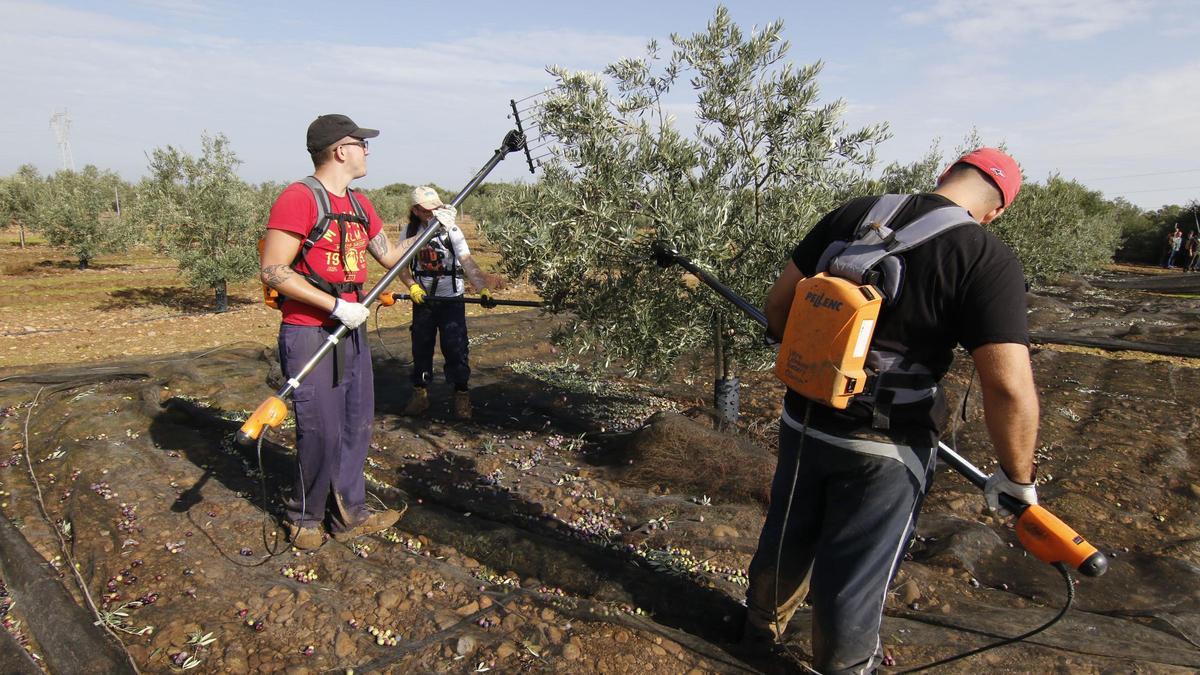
(328, 129)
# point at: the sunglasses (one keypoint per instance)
(361, 144)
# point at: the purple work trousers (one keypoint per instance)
(333, 426)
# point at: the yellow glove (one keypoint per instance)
(485, 299)
(417, 294)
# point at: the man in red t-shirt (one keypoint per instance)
(335, 403)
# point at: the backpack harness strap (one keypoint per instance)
(454, 270)
(882, 212)
(457, 273)
(877, 245)
(324, 218)
(871, 258)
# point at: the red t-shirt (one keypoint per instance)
(295, 210)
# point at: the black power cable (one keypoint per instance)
(271, 549)
(379, 336)
(1066, 573)
(787, 511)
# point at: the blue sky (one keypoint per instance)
(1104, 91)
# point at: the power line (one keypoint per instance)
(1143, 175)
(1186, 187)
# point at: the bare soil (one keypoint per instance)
(138, 304)
(582, 522)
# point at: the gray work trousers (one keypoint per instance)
(853, 513)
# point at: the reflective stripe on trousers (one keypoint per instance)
(854, 509)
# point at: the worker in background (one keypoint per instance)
(438, 271)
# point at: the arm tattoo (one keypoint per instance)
(274, 275)
(378, 246)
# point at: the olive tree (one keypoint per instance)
(392, 202)
(215, 218)
(1060, 227)
(734, 193)
(78, 211)
(1055, 227)
(19, 196)
(1139, 236)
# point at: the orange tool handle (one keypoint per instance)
(387, 298)
(1041, 532)
(270, 413)
(1052, 541)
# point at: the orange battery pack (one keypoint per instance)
(828, 335)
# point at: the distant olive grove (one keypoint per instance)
(197, 210)
(192, 208)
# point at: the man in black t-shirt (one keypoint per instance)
(855, 478)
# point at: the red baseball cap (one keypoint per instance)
(998, 166)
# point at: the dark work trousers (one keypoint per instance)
(333, 426)
(449, 319)
(851, 519)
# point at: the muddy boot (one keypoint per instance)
(759, 650)
(304, 538)
(418, 405)
(758, 641)
(462, 405)
(378, 521)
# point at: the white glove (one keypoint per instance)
(351, 314)
(446, 215)
(1000, 482)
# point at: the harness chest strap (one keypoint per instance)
(325, 216)
(273, 298)
(455, 270)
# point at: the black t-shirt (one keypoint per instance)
(963, 287)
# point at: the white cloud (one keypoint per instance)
(131, 86)
(49, 22)
(1181, 20)
(1151, 116)
(1096, 131)
(186, 9)
(990, 23)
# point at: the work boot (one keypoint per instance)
(757, 641)
(759, 649)
(304, 538)
(462, 405)
(419, 403)
(378, 521)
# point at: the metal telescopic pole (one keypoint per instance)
(430, 232)
(461, 300)
(269, 413)
(663, 254)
